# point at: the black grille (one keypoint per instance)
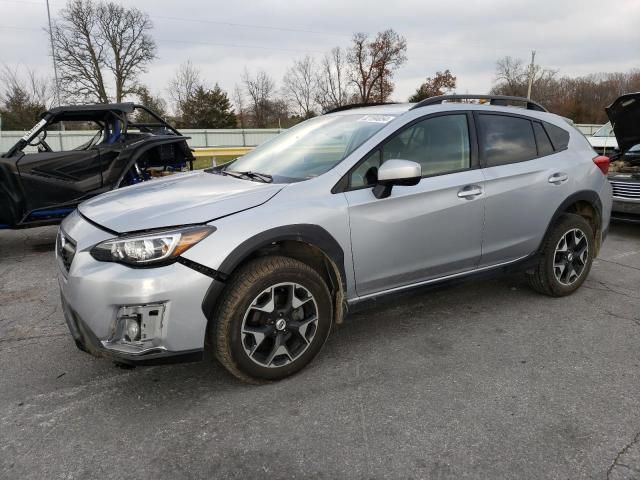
(66, 249)
(629, 190)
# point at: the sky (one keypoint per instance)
(221, 38)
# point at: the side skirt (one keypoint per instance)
(367, 301)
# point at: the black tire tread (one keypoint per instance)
(539, 279)
(235, 292)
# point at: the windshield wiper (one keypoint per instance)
(263, 177)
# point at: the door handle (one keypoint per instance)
(558, 178)
(470, 191)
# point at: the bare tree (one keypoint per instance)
(373, 63)
(583, 99)
(100, 46)
(260, 90)
(512, 78)
(440, 84)
(299, 87)
(23, 98)
(183, 85)
(37, 89)
(238, 100)
(332, 84)
(511, 74)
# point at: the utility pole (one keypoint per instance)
(531, 73)
(53, 55)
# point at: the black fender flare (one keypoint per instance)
(305, 233)
(589, 196)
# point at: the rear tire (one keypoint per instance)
(273, 318)
(566, 257)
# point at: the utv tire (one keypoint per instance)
(566, 257)
(273, 318)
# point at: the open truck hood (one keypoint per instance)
(624, 114)
(190, 198)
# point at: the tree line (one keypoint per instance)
(102, 49)
(582, 99)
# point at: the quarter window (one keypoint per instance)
(505, 139)
(439, 144)
(542, 139)
(559, 137)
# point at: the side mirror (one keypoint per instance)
(396, 172)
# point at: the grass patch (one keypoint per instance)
(206, 162)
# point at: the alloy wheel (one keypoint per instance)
(279, 325)
(571, 256)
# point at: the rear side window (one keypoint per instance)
(505, 139)
(542, 139)
(559, 137)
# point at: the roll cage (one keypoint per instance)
(119, 115)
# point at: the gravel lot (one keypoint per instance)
(485, 379)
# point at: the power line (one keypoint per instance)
(229, 24)
(204, 20)
(242, 25)
(194, 42)
(232, 45)
(19, 28)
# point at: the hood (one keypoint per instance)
(181, 199)
(624, 114)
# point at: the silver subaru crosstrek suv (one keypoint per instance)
(258, 259)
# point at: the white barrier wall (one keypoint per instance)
(588, 128)
(70, 139)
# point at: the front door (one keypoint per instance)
(421, 232)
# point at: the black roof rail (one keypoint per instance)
(358, 105)
(501, 100)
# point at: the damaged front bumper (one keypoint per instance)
(88, 342)
(136, 316)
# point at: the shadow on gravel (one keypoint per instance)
(430, 318)
(626, 229)
(43, 247)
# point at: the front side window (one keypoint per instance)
(505, 139)
(439, 144)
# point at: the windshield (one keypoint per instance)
(604, 131)
(310, 148)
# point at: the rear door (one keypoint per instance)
(527, 177)
(425, 231)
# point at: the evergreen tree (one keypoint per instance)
(207, 108)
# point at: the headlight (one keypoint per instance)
(150, 248)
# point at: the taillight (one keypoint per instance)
(602, 163)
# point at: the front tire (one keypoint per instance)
(566, 257)
(273, 318)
